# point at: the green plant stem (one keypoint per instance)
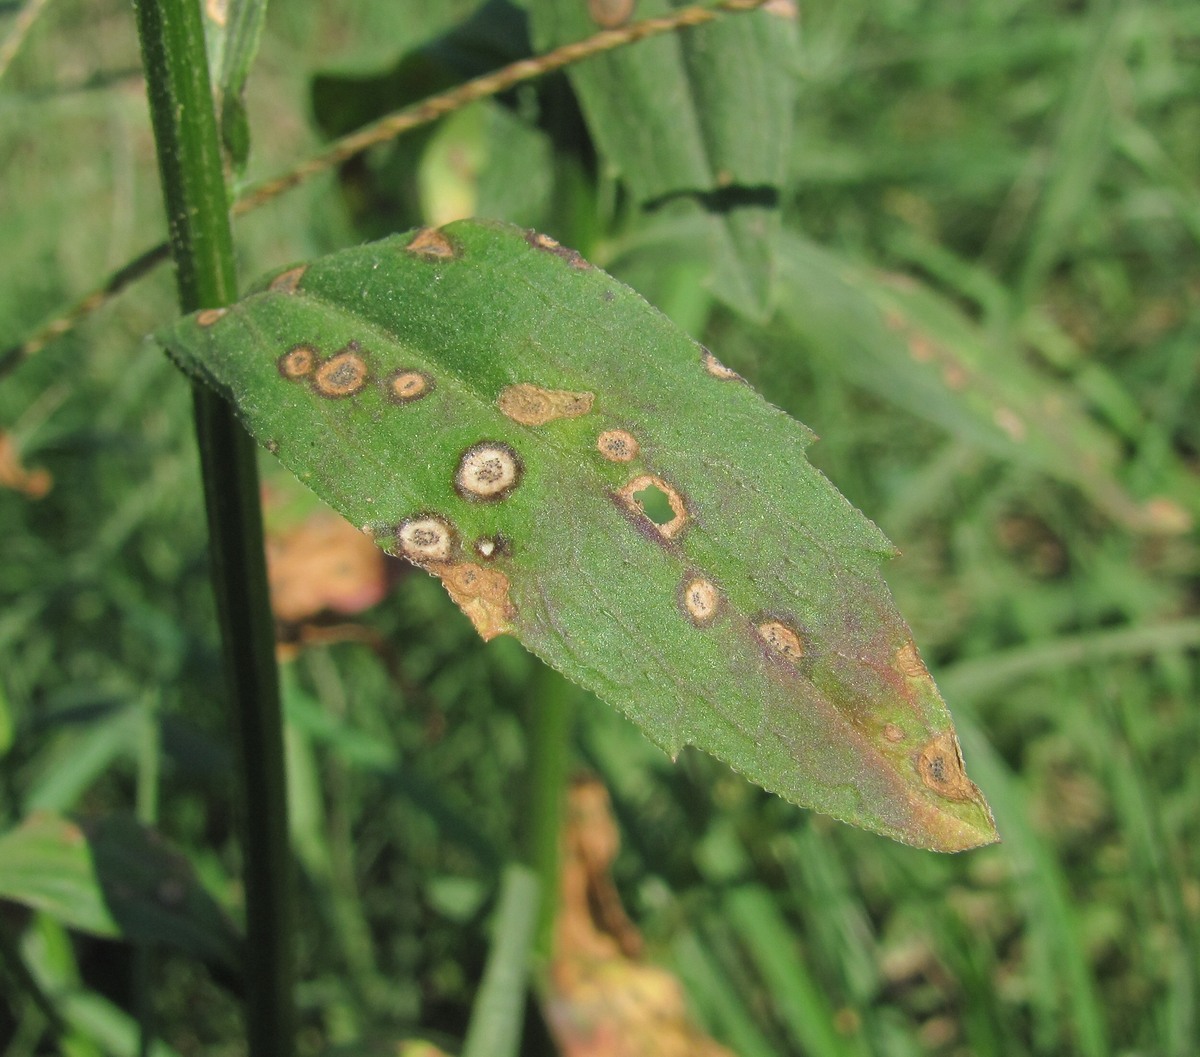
(550, 725)
(185, 130)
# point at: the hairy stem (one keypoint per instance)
(185, 130)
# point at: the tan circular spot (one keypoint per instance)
(343, 374)
(425, 538)
(940, 766)
(209, 316)
(782, 639)
(718, 370)
(287, 282)
(893, 733)
(618, 445)
(488, 472)
(700, 599)
(298, 361)
(407, 385)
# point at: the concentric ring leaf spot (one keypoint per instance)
(583, 475)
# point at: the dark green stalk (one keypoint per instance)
(185, 130)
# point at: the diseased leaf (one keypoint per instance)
(697, 121)
(602, 998)
(583, 475)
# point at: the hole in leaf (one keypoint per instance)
(656, 504)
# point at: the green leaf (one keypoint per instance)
(583, 475)
(696, 121)
(917, 349)
(113, 877)
(233, 29)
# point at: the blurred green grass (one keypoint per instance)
(1033, 167)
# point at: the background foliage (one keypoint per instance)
(987, 308)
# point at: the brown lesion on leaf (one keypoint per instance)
(544, 242)
(908, 661)
(209, 316)
(781, 638)
(288, 282)
(432, 244)
(940, 766)
(618, 445)
(531, 405)
(488, 472)
(481, 593)
(1012, 423)
(34, 483)
(893, 733)
(426, 538)
(489, 548)
(298, 362)
(609, 14)
(629, 498)
(717, 369)
(407, 385)
(700, 600)
(344, 374)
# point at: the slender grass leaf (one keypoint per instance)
(915, 348)
(696, 121)
(499, 1010)
(583, 475)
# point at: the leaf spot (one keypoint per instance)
(425, 538)
(700, 599)
(782, 639)
(482, 594)
(908, 661)
(940, 766)
(531, 405)
(893, 733)
(544, 242)
(343, 374)
(717, 369)
(406, 385)
(488, 472)
(288, 282)
(644, 497)
(608, 14)
(433, 245)
(1009, 421)
(297, 362)
(618, 445)
(491, 547)
(209, 316)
